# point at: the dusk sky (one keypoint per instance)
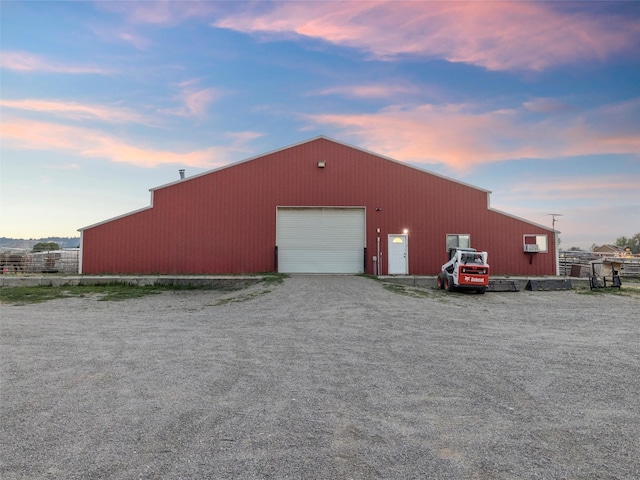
(537, 102)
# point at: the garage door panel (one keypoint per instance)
(320, 240)
(316, 262)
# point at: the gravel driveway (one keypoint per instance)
(323, 377)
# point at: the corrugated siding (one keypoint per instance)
(225, 221)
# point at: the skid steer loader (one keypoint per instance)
(467, 269)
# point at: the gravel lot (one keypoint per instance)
(323, 377)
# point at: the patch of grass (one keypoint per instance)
(241, 298)
(117, 291)
(272, 278)
(402, 290)
(268, 279)
(120, 292)
(609, 291)
(372, 277)
(397, 288)
(104, 292)
(420, 293)
(27, 295)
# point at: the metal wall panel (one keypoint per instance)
(224, 221)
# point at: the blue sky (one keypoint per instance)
(538, 102)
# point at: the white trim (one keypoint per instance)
(119, 216)
(515, 217)
(80, 253)
(555, 247)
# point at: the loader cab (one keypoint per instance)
(465, 251)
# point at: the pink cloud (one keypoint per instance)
(137, 41)
(28, 62)
(119, 33)
(77, 111)
(595, 209)
(454, 135)
(493, 35)
(195, 101)
(547, 105)
(25, 134)
(372, 90)
(581, 226)
(605, 188)
(242, 138)
(67, 166)
(462, 135)
(160, 12)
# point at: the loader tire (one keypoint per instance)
(448, 284)
(440, 282)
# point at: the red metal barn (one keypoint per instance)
(319, 206)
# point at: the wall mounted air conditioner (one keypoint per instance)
(531, 248)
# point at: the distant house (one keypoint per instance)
(609, 251)
(319, 206)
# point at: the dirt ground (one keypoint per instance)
(323, 377)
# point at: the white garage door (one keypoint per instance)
(320, 240)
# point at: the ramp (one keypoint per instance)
(503, 285)
(549, 284)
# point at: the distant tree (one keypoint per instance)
(633, 243)
(622, 241)
(45, 246)
(575, 249)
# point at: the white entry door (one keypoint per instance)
(398, 255)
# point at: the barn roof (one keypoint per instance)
(319, 137)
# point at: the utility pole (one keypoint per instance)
(553, 222)
(555, 240)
